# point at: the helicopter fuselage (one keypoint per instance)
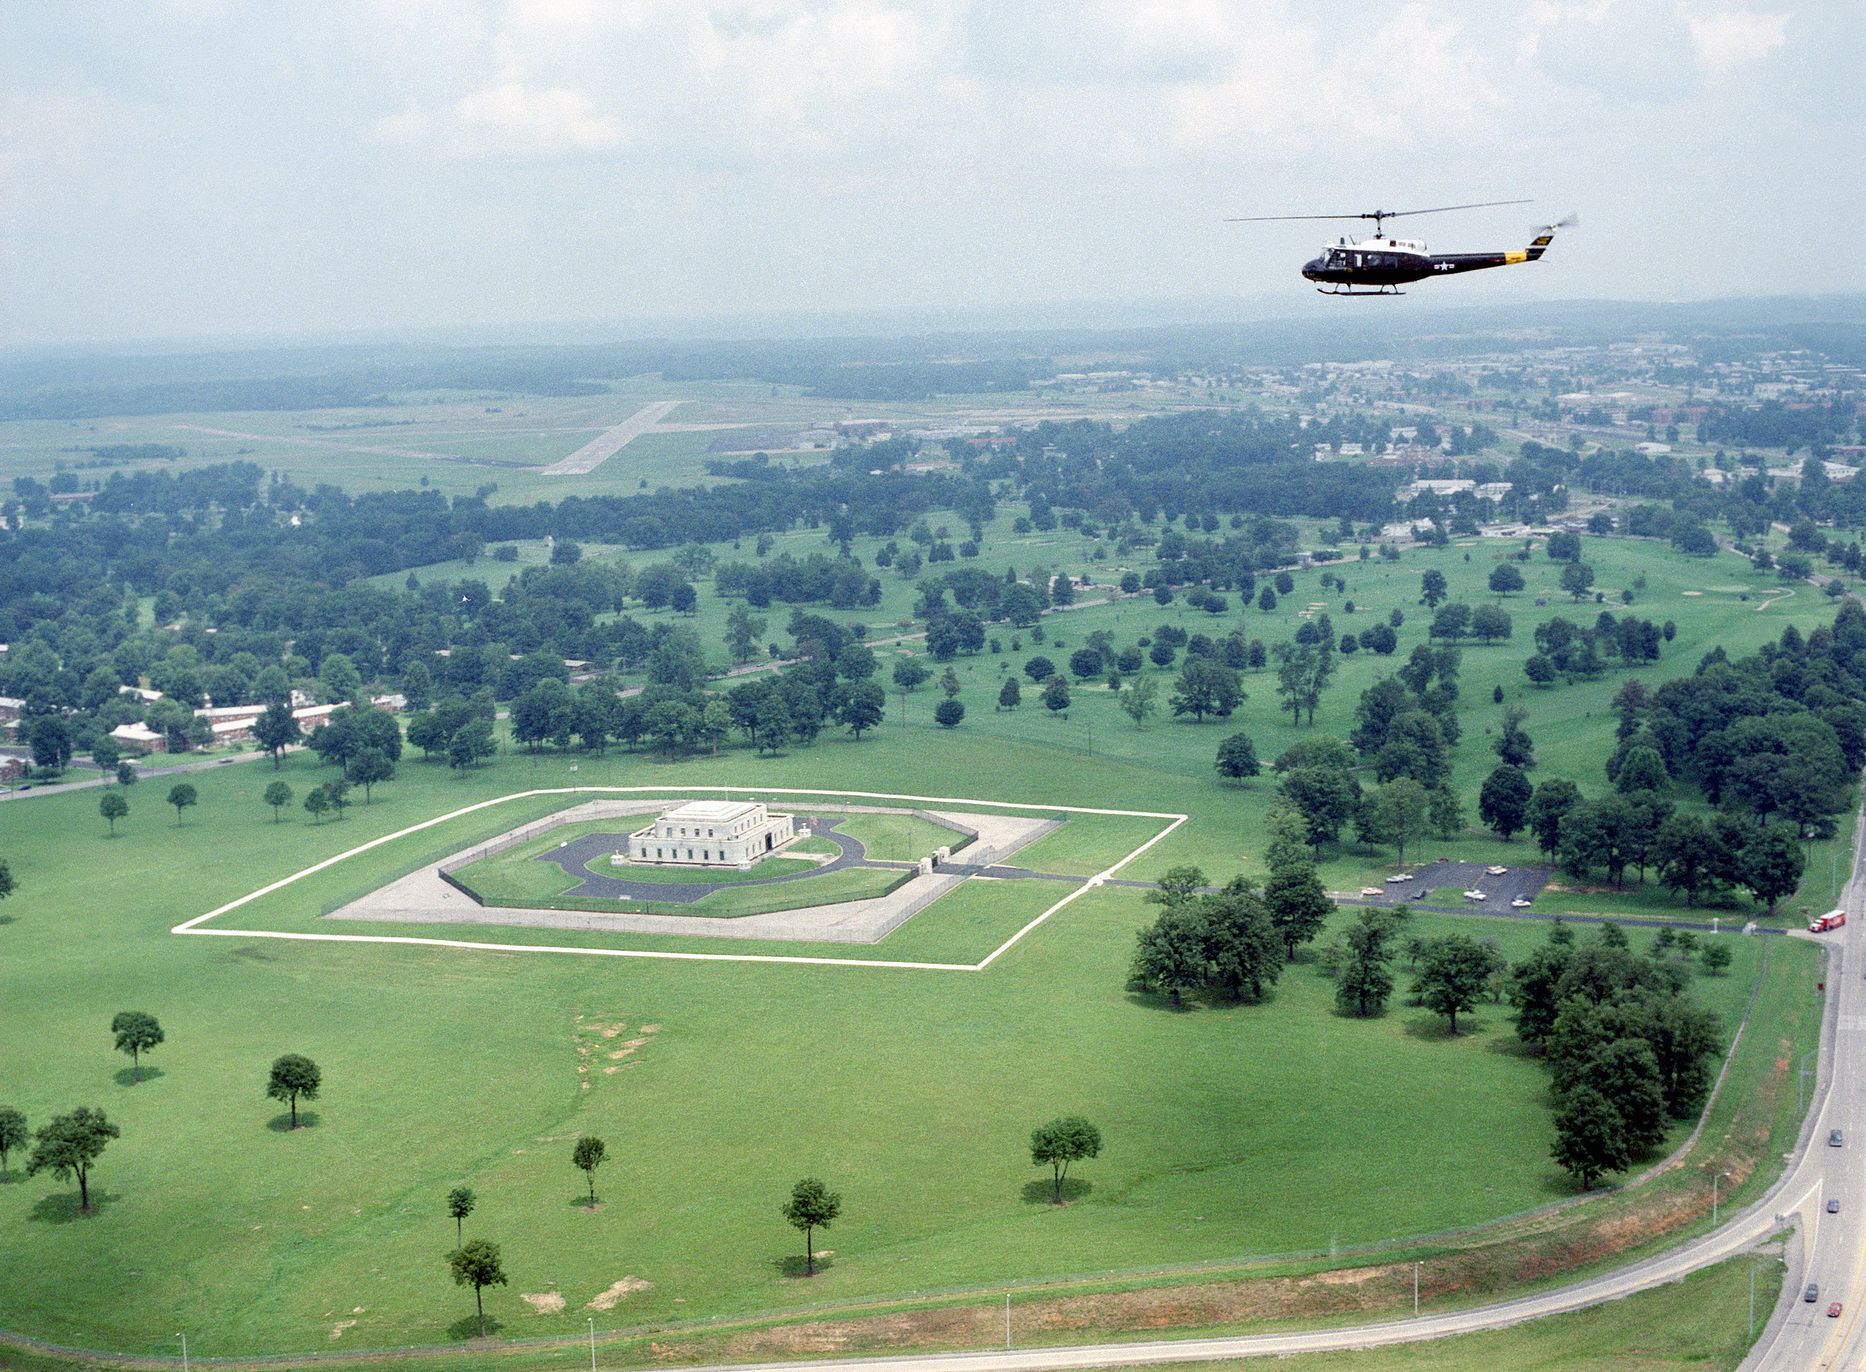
(1379, 265)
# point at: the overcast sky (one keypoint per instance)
(193, 167)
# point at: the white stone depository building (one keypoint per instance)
(712, 833)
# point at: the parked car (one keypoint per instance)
(1373, 890)
(1475, 894)
(1521, 903)
(1497, 871)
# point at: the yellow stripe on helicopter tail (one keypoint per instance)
(1542, 240)
(1515, 255)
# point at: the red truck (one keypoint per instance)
(1832, 920)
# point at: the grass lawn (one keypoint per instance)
(1701, 1323)
(670, 876)
(897, 838)
(1230, 1131)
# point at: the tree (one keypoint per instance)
(811, 1206)
(1325, 797)
(337, 793)
(1627, 1074)
(949, 683)
(1540, 669)
(50, 738)
(13, 1134)
(317, 803)
(1432, 588)
(470, 744)
(1398, 813)
(105, 754)
(1590, 1136)
(1010, 695)
(1205, 687)
(278, 796)
(1503, 802)
(1237, 758)
(1547, 807)
(744, 631)
(460, 1203)
(136, 1032)
(1454, 972)
(910, 673)
(477, 1265)
(181, 795)
(588, 1156)
(1364, 983)
(1293, 893)
(1056, 694)
(948, 713)
(1772, 862)
(70, 1145)
(1170, 954)
(1488, 624)
(1577, 578)
(275, 729)
(1505, 578)
(1642, 769)
(1244, 953)
(1067, 1139)
(1716, 958)
(293, 1076)
(860, 707)
(1141, 700)
(126, 774)
(113, 807)
(367, 767)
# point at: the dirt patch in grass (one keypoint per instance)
(610, 1298)
(336, 1330)
(543, 1302)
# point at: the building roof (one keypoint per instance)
(711, 811)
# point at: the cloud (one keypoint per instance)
(510, 120)
(1735, 38)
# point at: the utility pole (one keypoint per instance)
(592, 1321)
(184, 1351)
(1415, 1288)
(1007, 1321)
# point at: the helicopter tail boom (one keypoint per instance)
(1544, 236)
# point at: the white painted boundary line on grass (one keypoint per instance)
(195, 925)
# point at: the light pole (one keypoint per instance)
(1415, 1288)
(1007, 1321)
(184, 1351)
(1752, 1302)
(592, 1320)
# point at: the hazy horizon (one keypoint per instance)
(191, 170)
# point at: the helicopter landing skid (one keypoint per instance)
(1348, 290)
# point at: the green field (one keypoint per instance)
(1701, 1323)
(1231, 1132)
(271, 1239)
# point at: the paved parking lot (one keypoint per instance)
(1465, 876)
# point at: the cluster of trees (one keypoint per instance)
(1235, 939)
(1627, 1051)
(1580, 652)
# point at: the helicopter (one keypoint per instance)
(1381, 265)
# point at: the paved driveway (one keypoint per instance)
(1465, 876)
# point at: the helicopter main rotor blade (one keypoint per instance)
(1375, 214)
(1267, 218)
(1440, 209)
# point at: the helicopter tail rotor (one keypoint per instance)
(1567, 221)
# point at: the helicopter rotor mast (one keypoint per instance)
(1378, 216)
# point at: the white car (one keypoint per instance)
(1399, 878)
(1475, 894)
(1521, 903)
(1373, 890)
(1497, 871)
